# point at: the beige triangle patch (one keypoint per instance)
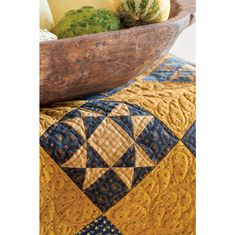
(141, 158)
(78, 160)
(120, 110)
(92, 175)
(87, 113)
(125, 174)
(78, 125)
(139, 123)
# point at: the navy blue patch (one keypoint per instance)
(101, 107)
(137, 111)
(128, 158)
(93, 159)
(159, 76)
(77, 175)
(189, 139)
(125, 122)
(140, 173)
(73, 114)
(156, 140)
(100, 226)
(171, 64)
(91, 123)
(106, 191)
(61, 141)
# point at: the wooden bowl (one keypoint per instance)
(70, 68)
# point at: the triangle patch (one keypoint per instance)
(125, 174)
(120, 110)
(100, 106)
(91, 123)
(128, 159)
(139, 174)
(92, 175)
(77, 175)
(87, 113)
(137, 111)
(125, 122)
(73, 114)
(78, 160)
(77, 124)
(141, 158)
(139, 123)
(94, 160)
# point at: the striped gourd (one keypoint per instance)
(143, 11)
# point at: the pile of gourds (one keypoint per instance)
(70, 18)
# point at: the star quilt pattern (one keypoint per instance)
(123, 161)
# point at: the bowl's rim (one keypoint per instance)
(187, 10)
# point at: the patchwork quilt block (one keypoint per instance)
(122, 162)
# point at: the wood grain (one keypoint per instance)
(83, 65)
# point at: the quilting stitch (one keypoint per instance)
(163, 201)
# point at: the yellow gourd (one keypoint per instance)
(60, 7)
(46, 19)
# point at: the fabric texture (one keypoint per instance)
(123, 161)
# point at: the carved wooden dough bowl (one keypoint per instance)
(70, 68)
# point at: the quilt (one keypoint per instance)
(123, 161)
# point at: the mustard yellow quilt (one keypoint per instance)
(122, 162)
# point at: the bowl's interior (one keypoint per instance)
(175, 9)
(175, 14)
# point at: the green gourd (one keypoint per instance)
(86, 20)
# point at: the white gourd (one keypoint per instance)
(60, 7)
(46, 35)
(46, 19)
